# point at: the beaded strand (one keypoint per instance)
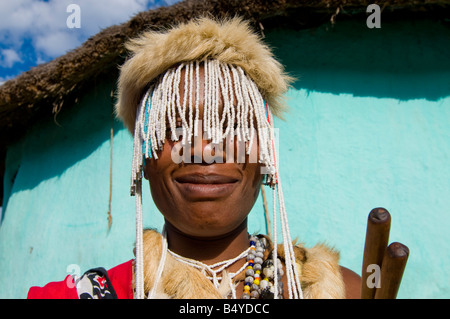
(259, 273)
(244, 111)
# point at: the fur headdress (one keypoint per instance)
(231, 42)
(238, 66)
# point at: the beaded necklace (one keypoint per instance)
(259, 273)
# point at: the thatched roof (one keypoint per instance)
(43, 90)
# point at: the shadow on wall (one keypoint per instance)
(53, 145)
(403, 59)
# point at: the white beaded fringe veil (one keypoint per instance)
(244, 114)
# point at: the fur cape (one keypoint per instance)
(318, 268)
(230, 41)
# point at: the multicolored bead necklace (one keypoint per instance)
(259, 273)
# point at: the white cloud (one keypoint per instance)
(56, 43)
(8, 57)
(96, 15)
(44, 23)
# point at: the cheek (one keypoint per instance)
(164, 161)
(158, 171)
(255, 177)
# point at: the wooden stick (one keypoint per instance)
(377, 237)
(394, 262)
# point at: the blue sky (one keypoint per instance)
(35, 31)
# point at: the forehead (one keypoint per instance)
(210, 83)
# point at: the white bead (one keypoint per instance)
(254, 294)
(263, 284)
(269, 272)
(259, 254)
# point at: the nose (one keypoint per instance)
(203, 151)
(200, 150)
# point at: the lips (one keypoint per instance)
(205, 179)
(196, 186)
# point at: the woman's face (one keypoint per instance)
(203, 196)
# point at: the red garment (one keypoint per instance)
(119, 276)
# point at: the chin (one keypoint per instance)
(207, 227)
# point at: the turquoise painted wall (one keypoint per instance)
(368, 127)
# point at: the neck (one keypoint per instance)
(209, 250)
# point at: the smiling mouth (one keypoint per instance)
(205, 179)
(205, 187)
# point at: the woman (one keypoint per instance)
(199, 100)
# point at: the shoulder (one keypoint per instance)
(352, 283)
